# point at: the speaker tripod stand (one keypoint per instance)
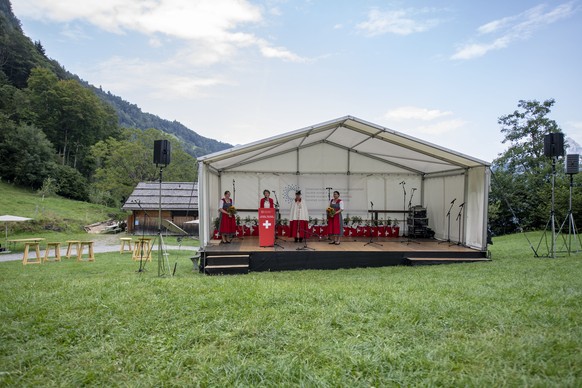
(572, 231)
(163, 263)
(551, 249)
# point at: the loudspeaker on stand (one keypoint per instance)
(162, 150)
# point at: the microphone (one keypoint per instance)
(414, 188)
(453, 201)
(274, 191)
(372, 203)
(329, 188)
(461, 205)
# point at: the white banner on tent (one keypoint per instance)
(316, 190)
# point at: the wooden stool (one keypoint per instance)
(73, 243)
(89, 245)
(36, 246)
(142, 249)
(57, 247)
(125, 241)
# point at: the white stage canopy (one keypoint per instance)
(371, 166)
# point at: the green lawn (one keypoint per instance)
(516, 321)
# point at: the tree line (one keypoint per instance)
(521, 189)
(57, 136)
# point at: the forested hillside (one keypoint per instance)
(60, 135)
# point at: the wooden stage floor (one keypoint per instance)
(357, 244)
(319, 254)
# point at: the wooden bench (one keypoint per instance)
(142, 249)
(57, 248)
(89, 245)
(71, 244)
(27, 246)
(125, 241)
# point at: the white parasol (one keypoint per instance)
(8, 218)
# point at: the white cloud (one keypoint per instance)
(415, 113)
(170, 80)
(204, 23)
(512, 29)
(441, 127)
(574, 124)
(424, 121)
(399, 22)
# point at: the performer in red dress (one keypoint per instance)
(335, 223)
(267, 201)
(227, 227)
(298, 218)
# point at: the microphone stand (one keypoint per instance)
(449, 224)
(371, 242)
(403, 183)
(460, 221)
(233, 193)
(277, 221)
(307, 234)
(329, 193)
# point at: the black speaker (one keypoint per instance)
(554, 144)
(572, 164)
(162, 150)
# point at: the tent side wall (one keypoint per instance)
(208, 199)
(479, 180)
(469, 190)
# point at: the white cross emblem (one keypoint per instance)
(266, 224)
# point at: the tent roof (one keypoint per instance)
(354, 135)
(175, 196)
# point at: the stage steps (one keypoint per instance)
(226, 264)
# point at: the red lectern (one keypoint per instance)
(266, 227)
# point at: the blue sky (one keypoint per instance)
(239, 71)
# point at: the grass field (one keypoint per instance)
(516, 321)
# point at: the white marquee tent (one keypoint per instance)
(371, 166)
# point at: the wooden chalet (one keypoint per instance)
(178, 202)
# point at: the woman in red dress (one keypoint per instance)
(267, 201)
(227, 227)
(335, 222)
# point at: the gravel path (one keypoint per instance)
(101, 245)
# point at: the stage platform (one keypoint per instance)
(244, 254)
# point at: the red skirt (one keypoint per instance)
(298, 228)
(334, 225)
(227, 225)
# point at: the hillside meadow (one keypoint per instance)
(515, 321)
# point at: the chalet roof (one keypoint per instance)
(174, 196)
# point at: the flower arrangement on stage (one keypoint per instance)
(330, 212)
(231, 211)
